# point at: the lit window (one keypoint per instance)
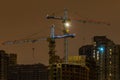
(110, 74)
(98, 55)
(110, 53)
(94, 54)
(110, 62)
(110, 49)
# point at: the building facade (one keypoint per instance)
(10, 70)
(3, 65)
(28, 72)
(90, 61)
(12, 59)
(106, 56)
(61, 71)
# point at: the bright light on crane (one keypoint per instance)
(67, 24)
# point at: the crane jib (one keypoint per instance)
(64, 36)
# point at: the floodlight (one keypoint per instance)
(67, 24)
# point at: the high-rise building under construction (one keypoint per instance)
(104, 54)
(74, 69)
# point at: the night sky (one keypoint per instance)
(24, 19)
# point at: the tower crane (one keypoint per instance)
(51, 39)
(53, 58)
(66, 23)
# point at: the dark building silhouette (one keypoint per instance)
(10, 70)
(103, 59)
(88, 49)
(5, 61)
(12, 59)
(3, 65)
(28, 72)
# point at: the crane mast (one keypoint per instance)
(65, 39)
(52, 57)
(65, 31)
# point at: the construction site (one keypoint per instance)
(82, 67)
(59, 40)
